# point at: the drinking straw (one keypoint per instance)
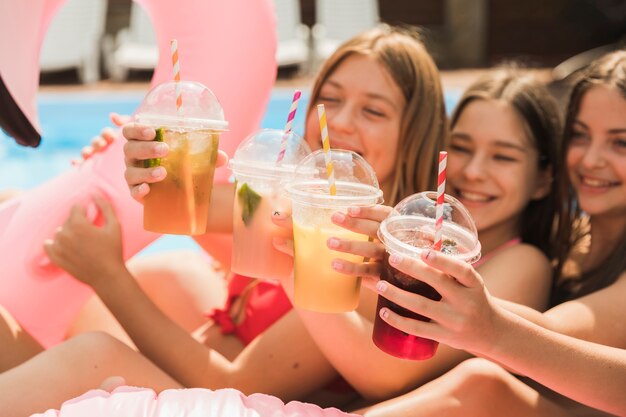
(290, 117)
(176, 68)
(330, 172)
(441, 188)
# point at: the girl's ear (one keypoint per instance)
(544, 183)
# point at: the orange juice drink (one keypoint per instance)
(180, 203)
(317, 285)
(253, 232)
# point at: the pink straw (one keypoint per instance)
(441, 188)
(290, 117)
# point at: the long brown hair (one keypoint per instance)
(609, 70)
(423, 128)
(540, 116)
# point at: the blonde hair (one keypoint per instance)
(424, 127)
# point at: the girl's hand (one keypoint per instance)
(141, 146)
(106, 137)
(363, 220)
(86, 251)
(465, 317)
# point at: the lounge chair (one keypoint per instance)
(292, 34)
(339, 20)
(73, 39)
(134, 48)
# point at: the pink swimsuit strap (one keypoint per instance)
(482, 260)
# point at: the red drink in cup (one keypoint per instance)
(407, 231)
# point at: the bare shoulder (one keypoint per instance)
(522, 258)
(519, 273)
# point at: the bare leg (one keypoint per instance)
(476, 387)
(16, 346)
(183, 284)
(72, 368)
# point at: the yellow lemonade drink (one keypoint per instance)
(317, 285)
(179, 204)
(253, 232)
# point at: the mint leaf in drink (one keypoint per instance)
(249, 200)
(155, 162)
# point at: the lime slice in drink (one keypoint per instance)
(154, 162)
(249, 200)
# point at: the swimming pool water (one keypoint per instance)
(69, 121)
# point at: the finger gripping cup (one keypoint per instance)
(408, 230)
(259, 192)
(179, 204)
(317, 286)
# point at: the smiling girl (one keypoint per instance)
(501, 164)
(576, 348)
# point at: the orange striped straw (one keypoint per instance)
(441, 189)
(176, 68)
(330, 172)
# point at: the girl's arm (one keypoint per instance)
(282, 361)
(471, 319)
(346, 339)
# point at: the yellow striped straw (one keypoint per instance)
(330, 172)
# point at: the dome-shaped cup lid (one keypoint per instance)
(201, 108)
(258, 154)
(410, 227)
(355, 180)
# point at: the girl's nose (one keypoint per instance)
(475, 168)
(341, 118)
(594, 157)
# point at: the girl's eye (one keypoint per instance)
(459, 149)
(374, 112)
(620, 145)
(579, 137)
(328, 99)
(504, 158)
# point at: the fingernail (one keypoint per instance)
(148, 133)
(158, 172)
(161, 149)
(384, 313)
(338, 217)
(354, 210)
(337, 266)
(381, 286)
(333, 243)
(143, 188)
(395, 259)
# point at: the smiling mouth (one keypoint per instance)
(596, 183)
(473, 197)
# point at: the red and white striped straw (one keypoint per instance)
(176, 68)
(330, 171)
(289, 124)
(441, 189)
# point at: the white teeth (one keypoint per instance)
(474, 196)
(595, 183)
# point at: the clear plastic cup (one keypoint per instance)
(318, 287)
(408, 230)
(180, 203)
(260, 181)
